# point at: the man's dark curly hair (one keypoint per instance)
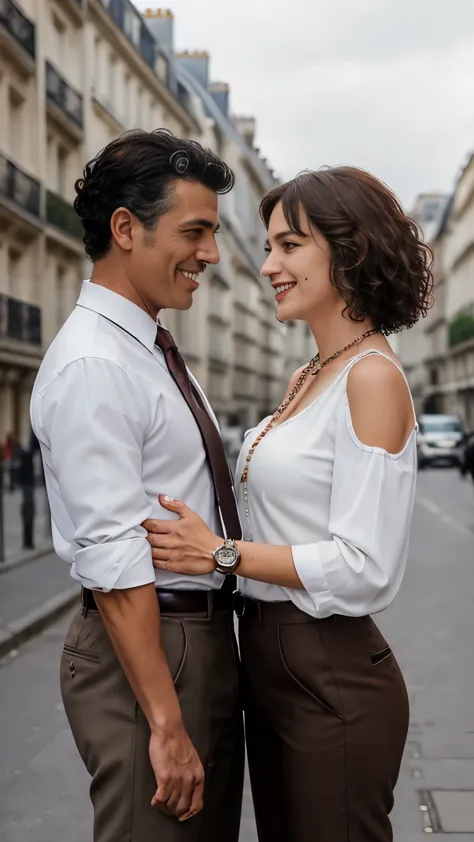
(380, 265)
(138, 171)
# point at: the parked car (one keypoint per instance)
(440, 440)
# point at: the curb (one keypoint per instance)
(31, 624)
(25, 558)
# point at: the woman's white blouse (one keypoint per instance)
(343, 507)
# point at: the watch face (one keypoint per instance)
(227, 556)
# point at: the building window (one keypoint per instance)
(96, 64)
(14, 273)
(127, 100)
(132, 26)
(112, 79)
(63, 156)
(162, 69)
(16, 111)
(151, 116)
(61, 295)
(139, 111)
(434, 379)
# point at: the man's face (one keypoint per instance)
(165, 264)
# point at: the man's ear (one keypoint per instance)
(122, 225)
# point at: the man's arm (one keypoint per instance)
(95, 419)
(132, 620)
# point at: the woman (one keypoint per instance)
(326, 490)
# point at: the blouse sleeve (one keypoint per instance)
(359, 570)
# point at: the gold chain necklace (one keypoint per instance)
(314, 367)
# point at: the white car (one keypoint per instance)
(440, 440)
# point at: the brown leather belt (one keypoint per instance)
(182, 602)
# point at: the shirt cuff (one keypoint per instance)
(114, 565)
(308, 565)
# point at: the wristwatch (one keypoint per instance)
(227, 557)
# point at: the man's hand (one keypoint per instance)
(182, 546)
(179, 774)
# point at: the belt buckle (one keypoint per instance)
(238, 604)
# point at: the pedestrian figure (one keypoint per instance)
(11, 460)
(26, 482)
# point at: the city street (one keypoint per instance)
(43, 787)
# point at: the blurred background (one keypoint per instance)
(273, 88)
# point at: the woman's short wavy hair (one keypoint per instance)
(380, 265)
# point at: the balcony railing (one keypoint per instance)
(19, 321)
(19, 187)
(61, 214)
(63, 96)
(19, 26)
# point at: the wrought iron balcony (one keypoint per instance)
(19, 187)
(18, 25)
(63, 96)
(61, 214)
(19, 321)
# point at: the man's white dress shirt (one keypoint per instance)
(115, 432)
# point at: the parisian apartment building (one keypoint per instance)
(75, 74)
(438, 353)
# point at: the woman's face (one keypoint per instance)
(298, 267)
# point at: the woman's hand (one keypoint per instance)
(182, 546)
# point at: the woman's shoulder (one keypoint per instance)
(380, 402)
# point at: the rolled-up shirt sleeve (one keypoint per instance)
(95, 419)
(360, 569)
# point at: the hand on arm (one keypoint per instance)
(97, 417)
(187, 545)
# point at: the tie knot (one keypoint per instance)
(164, 340)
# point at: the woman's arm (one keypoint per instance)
(186, 546)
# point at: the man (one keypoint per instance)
(149, 671)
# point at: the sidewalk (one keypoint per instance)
(31, 595)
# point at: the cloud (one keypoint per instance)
(381, 84)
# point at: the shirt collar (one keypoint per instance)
(120, 311)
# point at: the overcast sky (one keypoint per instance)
(383, 84)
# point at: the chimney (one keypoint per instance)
(246, 126)
(196, 62)
(220, 93)
(160, 22)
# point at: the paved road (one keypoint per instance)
(43, 788)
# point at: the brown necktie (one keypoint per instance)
(209, 432)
